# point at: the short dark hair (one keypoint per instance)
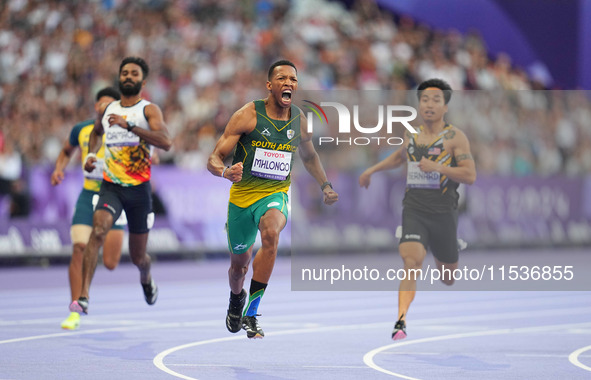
(282, 62)
(437, 83)
(138, 61)
(108, 91)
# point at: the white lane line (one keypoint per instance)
(574, 358)
(145, 326)
(411, 353)
(200, 365)
(368, 358)
(336, 366)
(295, 366)
(559, 356)
(543, 356)
(426, 321)
(72, 333)
(374, 311)
(87, 321)
(159, 359)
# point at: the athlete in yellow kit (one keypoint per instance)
(438, 159)
(264, 135)
(82, 220)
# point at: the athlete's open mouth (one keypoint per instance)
(286, 95)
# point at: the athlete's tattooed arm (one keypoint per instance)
(465, 171)
(464, 156)
(449, 135)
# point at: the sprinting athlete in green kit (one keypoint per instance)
(264, 135)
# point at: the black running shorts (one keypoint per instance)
(135, 200)
(437, 232)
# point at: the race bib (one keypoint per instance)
(97, 172)
(118, 136)
(418, 179)
(271, 164)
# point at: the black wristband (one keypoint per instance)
(325, 184)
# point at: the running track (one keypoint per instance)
(309, 335)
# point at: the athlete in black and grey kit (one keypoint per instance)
(438, 159)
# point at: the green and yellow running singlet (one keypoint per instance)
(79, 136)
(267, 154)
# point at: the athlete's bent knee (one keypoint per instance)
(412, 262)
(270, 238)
(100, 232)
(238, 271)
(140, 260)
(79, 248)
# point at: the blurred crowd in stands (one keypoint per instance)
(209, 57)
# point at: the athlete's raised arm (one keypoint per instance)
(313, 165)
(242, 121)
